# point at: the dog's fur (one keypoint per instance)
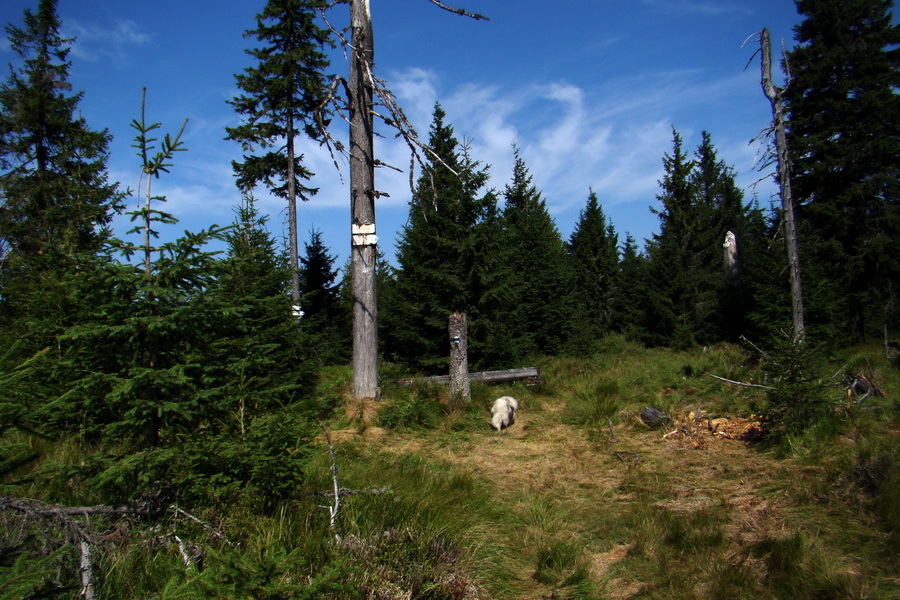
(503, 413)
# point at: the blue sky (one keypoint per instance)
(589, 90)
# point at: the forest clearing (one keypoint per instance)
(579, 498)
(599, 505)
(708, 413)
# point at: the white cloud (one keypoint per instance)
(94, 43)
(696, 7)
(611, 139)
(568, 142)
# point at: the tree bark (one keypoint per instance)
(774, 94)
(86, 567)
(362, 203)
(460, 392)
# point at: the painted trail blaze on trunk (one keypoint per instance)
(459, 359)
(362, 202)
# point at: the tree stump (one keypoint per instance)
(460, 393)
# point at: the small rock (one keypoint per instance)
(653, 417)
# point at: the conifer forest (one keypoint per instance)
(183, 422)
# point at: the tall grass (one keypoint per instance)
(424, 522)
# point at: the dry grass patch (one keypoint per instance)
(596, 500)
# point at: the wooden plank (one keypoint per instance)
(484, 376)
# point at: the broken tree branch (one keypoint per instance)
(76, 533)
(343, 492)
(460, 11)
(86, 566)
(621, 454)
(731, 381)
(755, 347)
(336, 507)
(36, 507)
(215, 532)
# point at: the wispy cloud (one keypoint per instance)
(611, 140)
(570, 142)
(697, 7)
(94, 43)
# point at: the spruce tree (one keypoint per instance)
(844, 141)
(700, 204)
(719, 209)
(539, 288)
(323, 314)
(317, 275)
(437, 251)
(672, 249)
(638, 303)
(55, 198)
(134, 360)
(488, 267)
(261, 352)
(593, 247)
(281, 93)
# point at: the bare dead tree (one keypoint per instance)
(361, 89)
(782, 163)
(362, 203)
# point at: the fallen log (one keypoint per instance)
(527, 373)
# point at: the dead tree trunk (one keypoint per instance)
(774, 94)
(460, 392)
(732, 267)
(362, 203)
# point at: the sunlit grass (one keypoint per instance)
(439, 502)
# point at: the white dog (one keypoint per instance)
(503, 413)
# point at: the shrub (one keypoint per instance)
(797, 400)
(265, 466)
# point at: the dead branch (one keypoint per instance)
(334, 508)
(460, 11)
(753, 385)
(633, 457)
(215, 532)
(36, 507)
(859, 384)
(86, 566)
(343, 492)
(76, 533)
(755, 347)
(333, 145)
(395, 117)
